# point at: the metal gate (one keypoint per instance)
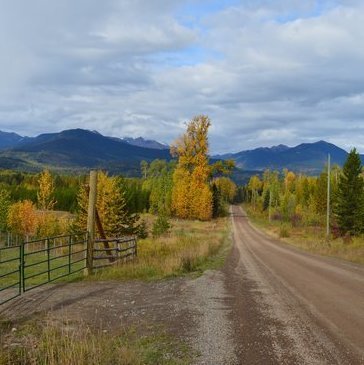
(34, 263)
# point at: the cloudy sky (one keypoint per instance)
(266, 72)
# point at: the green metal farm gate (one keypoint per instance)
(30, 264)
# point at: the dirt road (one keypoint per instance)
(290, 307)
(270, 304)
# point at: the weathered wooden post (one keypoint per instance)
(91, 221)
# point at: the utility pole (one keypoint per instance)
(328, 197)
(91, 213)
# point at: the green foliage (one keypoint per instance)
(266, 199)
(161, 225)
(349, 208)
(142, 231)
(160, 183)
(218, 203)
(25, 186)
(321, 193)
(4, 209)
(136, 196)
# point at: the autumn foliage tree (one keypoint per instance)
(22, 218)
(111, 207)
(191, 194)
(45, 195)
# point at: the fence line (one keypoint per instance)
(31, 264)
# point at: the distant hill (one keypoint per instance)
(77, 149)
(8, 140)
(309, 158)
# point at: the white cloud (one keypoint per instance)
(265, 72)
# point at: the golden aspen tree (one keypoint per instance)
(227, 188)
(46, 191)
(191, 194)
(22, 218)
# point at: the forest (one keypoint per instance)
(188, 187)
(295, 207)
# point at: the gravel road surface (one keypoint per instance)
(291, 307)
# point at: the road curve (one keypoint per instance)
(292, 307)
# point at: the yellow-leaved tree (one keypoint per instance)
(227, 188)
(191, 194)
(22, 219)
(111, 207)
(46, 191)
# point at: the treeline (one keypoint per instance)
(25, 186)
(188, 187)
(302, 200)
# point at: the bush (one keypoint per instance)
(161, 225)
(296, 219)
(284, 231)
(142, 231)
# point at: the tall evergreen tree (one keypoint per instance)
(350, 196)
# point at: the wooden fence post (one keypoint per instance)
(91, 221)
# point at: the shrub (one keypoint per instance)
(161, 225)
(142, 231)
(284, 231)
(296, 219)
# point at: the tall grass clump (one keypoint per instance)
(77, 344)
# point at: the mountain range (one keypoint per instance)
(309, 158)
(80, 150)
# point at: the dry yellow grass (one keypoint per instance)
(189, 246)
(64, 343)
(311, 238)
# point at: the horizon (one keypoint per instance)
(212, 154)
(266, 73)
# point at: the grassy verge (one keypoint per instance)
(190, 246)
(310, 238)
(76, 344)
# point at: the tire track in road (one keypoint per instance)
(290, 307)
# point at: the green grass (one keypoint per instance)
(310, 238)
(64, 343)
(36, 272)
(190, 247)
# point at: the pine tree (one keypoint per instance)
(350, 196)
